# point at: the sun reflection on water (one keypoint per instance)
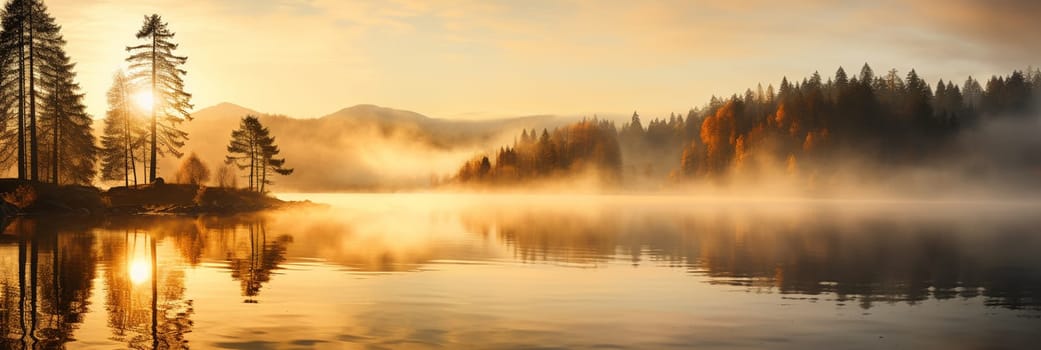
(139, 265)
(139, 270)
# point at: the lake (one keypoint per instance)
(419, 271)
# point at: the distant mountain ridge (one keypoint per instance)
(359, 147)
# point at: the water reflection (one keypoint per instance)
(45, 281)
(253, 262)
(49, 267)
(151, 280)
(869, 256)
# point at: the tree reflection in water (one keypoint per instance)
(45, 282)
(874, 257)
(48, 267)
(905, 255)
(253, 263)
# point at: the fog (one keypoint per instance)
(362, 148)
(369, 148)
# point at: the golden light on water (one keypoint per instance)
(140, 270)
(139, 265)
(144, 100)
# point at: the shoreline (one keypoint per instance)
(36, 199)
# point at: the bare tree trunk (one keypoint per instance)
(128, 154)
(34, 172)
(263, 172)
(151, 175)
(144, 162)
(54, 157)
(21, 103)
(252, 163)
(129, 163)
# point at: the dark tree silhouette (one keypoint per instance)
(30, 45)
(64, 118)
(252, 147)
(154, 65)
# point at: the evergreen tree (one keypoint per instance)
(123, 134)
(65, 122)
(154, 65)
(30, 42)
(867, 75)
(840, 78)
(972, 92)
(252, 147)
(269, 164)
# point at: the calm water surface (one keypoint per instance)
(494, 271)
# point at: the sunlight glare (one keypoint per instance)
(140, 270)
(144, 100)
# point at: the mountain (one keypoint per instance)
(359, 147)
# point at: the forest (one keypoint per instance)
(801, 129)
(587, 145)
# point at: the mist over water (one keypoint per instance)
(528, 270)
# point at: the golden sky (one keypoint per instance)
(479, 59)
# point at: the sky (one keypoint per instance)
(487, 59)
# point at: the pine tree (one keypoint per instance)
(29, 43)
(252, 147)
(270, 164)
(66, 124)
(123, 134)
(973, 93)
(10, 129)
(154, 65)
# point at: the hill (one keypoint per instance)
(360, 147)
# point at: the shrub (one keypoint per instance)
(226, 176)
(22, 197)
(193, 171)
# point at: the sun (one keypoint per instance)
(140, 270)
(144, 100)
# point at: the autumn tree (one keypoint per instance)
(154, 65)
(252, 147)
(689, 159)
(193, 171)
(719, 135)
(589, 144)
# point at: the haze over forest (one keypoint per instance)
(856, 131)
(884, 136)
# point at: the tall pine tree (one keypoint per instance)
(66, 127)
(123, 134)
(38, 85)
(154, 66)
(30, 42)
